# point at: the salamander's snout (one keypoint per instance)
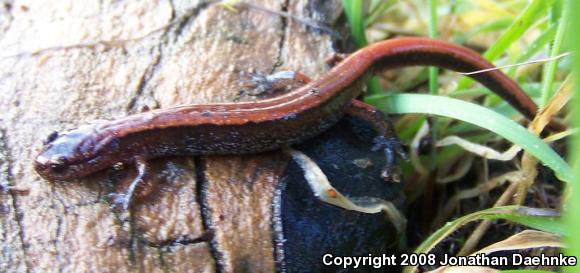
(51, 163)
(70, 155)
(50, 167)
(56, 158)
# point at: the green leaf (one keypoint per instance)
(540, 43)
(354, 14)
(543, 219)
(550, 67)
(478, 115)
(535, 10)
(573, 206)
(433, 71)
(377, 9)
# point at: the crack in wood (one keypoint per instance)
(185, 19)
(201, 181)
(206, 237)
(278, 228)
(282, 41)
(18, 214)
(57, 240)
(133, 241)
(145, 77)
(180, 24)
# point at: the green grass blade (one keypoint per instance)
(496, 25)
(478, 115)
(541, 42)
(354, 14)
(573, 206)
(535, 10)
(377, 10)
(433, 71)
(542, 219)
(550, 67)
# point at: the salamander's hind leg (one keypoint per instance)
(124, 199)
(386, 140)
(335, 59)
(262, 85)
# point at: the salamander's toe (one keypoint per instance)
(391, 173)
(394, 151)
(120, 200)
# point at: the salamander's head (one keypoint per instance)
(68, 155)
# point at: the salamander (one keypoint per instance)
(253, 127)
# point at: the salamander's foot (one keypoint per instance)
(123, 200)
(260, 84)
(146, 107)
(120, 200)
(394, 151)
(7, 189)
(335, 59)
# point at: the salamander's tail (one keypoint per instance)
(401, 52)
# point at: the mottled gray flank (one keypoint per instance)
(66, 63)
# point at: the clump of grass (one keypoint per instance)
(573, 205)
(507, 32)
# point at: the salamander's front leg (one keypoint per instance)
(386, 140)
(124, 199)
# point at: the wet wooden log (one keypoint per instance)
(68, 63)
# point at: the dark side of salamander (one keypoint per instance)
(94, 147)
(252, 127)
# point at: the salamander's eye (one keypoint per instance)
(59, 164)
(50, 138)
